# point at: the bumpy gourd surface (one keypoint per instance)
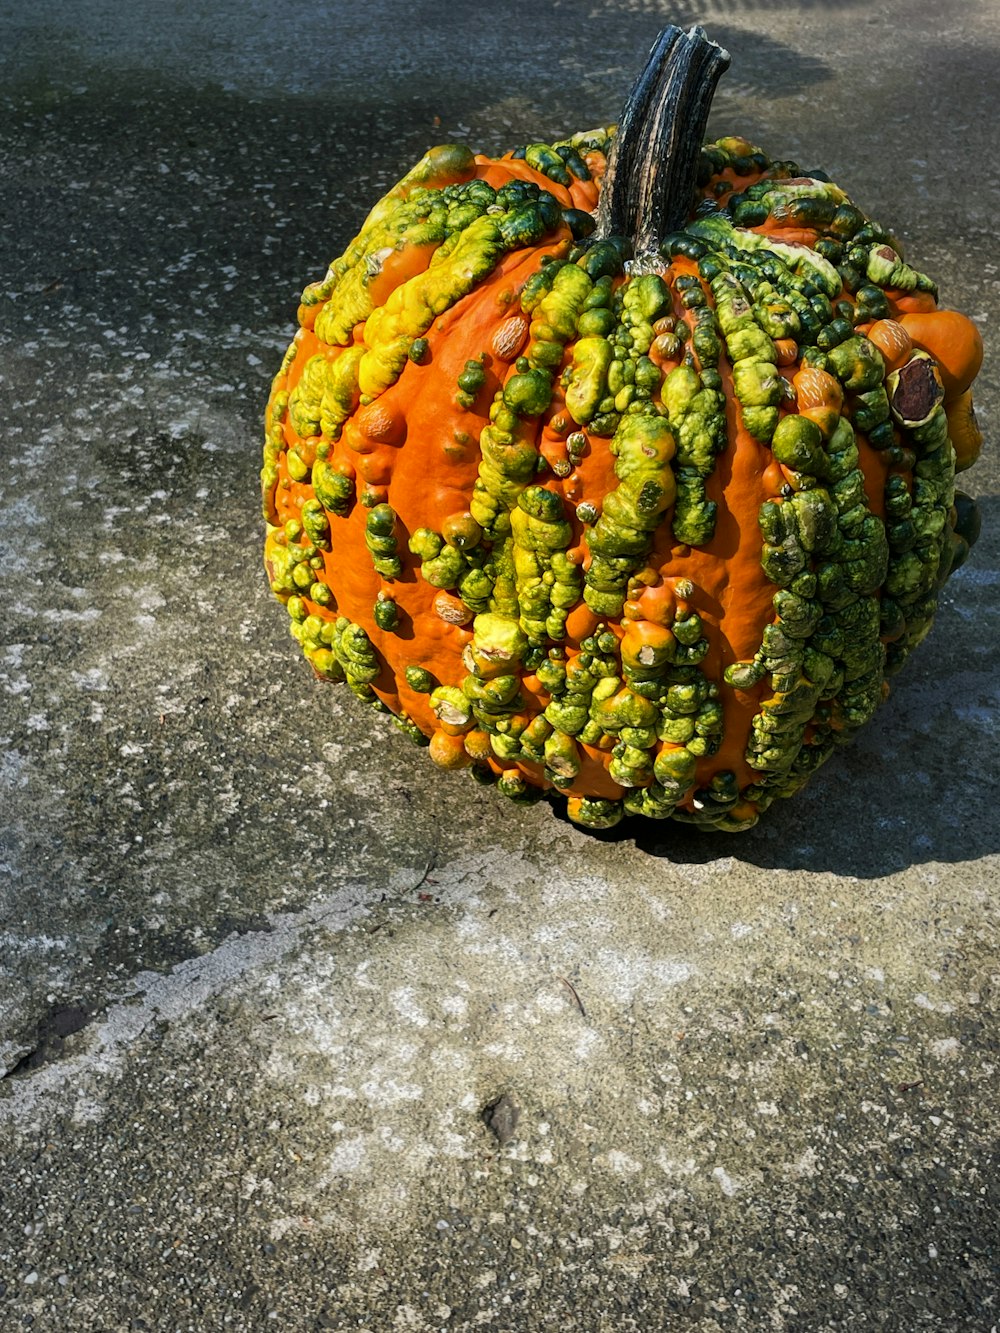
(654, 538)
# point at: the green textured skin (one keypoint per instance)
(621, 538)
(844, 580)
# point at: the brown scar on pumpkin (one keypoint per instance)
(916, 389)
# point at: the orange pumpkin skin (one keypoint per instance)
(953, 341)
(655, 547)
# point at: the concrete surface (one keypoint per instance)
(300, 1034)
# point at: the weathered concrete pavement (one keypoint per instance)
(300, 1034)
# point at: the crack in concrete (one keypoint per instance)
(171, 997)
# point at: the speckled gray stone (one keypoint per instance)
(300, 1033)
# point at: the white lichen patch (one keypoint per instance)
(346, 1159)
(638, 976)
(727, 1184)
(620, 1162)
(403, 1000)
(945, 1048)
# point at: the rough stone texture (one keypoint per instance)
(301, 1034)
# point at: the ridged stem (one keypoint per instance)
(653, 167)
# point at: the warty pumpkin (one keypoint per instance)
(621, 467)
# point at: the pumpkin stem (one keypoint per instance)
(653, 167)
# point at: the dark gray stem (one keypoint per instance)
(653, 167)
